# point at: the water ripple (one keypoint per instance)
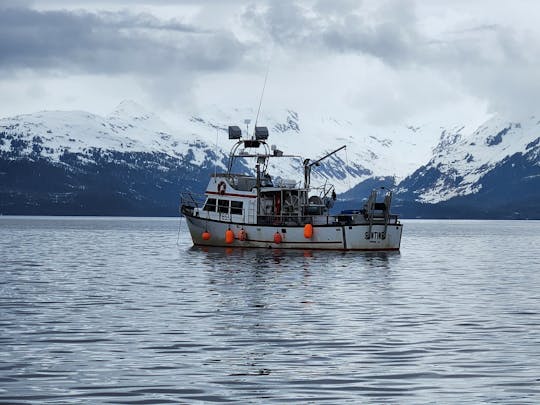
(111, 310)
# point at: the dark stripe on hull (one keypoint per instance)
(231, 194)
(274, 246)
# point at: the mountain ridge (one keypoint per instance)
(458, 166)
(454, 167)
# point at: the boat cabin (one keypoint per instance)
(243, 199)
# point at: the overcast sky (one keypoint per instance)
(380, 62)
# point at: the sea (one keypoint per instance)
(97, 310)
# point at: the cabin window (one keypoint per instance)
(210, 205)
(223, 206)
(236, 207)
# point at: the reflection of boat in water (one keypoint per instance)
(258, 211)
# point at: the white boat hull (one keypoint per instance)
(325, 237)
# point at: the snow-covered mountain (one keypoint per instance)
(495, 168)
(131, 162)
(132, 129)
(371, 151)
(129, 128)
(74, 162)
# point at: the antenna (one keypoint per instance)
(262, 94)
(216, 152)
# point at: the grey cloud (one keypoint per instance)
(336, 7)
(82, 42)
(284, 23)
(389, 42)
(102, 3)
(492, 62)
(389, 33)
(10, 4)
(489, 60)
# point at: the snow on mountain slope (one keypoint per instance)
(130, 128)
(460, 161)
(371, 151)
(64, 159)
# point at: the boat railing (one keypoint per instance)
(295, 220)
(190, 199)
(284, 220)
(338, 219)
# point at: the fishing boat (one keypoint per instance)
(259, 211)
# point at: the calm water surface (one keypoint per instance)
(116, 310)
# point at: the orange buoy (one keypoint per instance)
(229, 236)
(308, 231)
(206, 235)
(242, 234)
(277, 238)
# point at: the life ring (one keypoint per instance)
(221, 187)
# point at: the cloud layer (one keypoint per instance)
(109, 43)
(388, 61)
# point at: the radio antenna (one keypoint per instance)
(216, 151)
(262, 94)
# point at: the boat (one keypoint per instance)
(256, 210)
